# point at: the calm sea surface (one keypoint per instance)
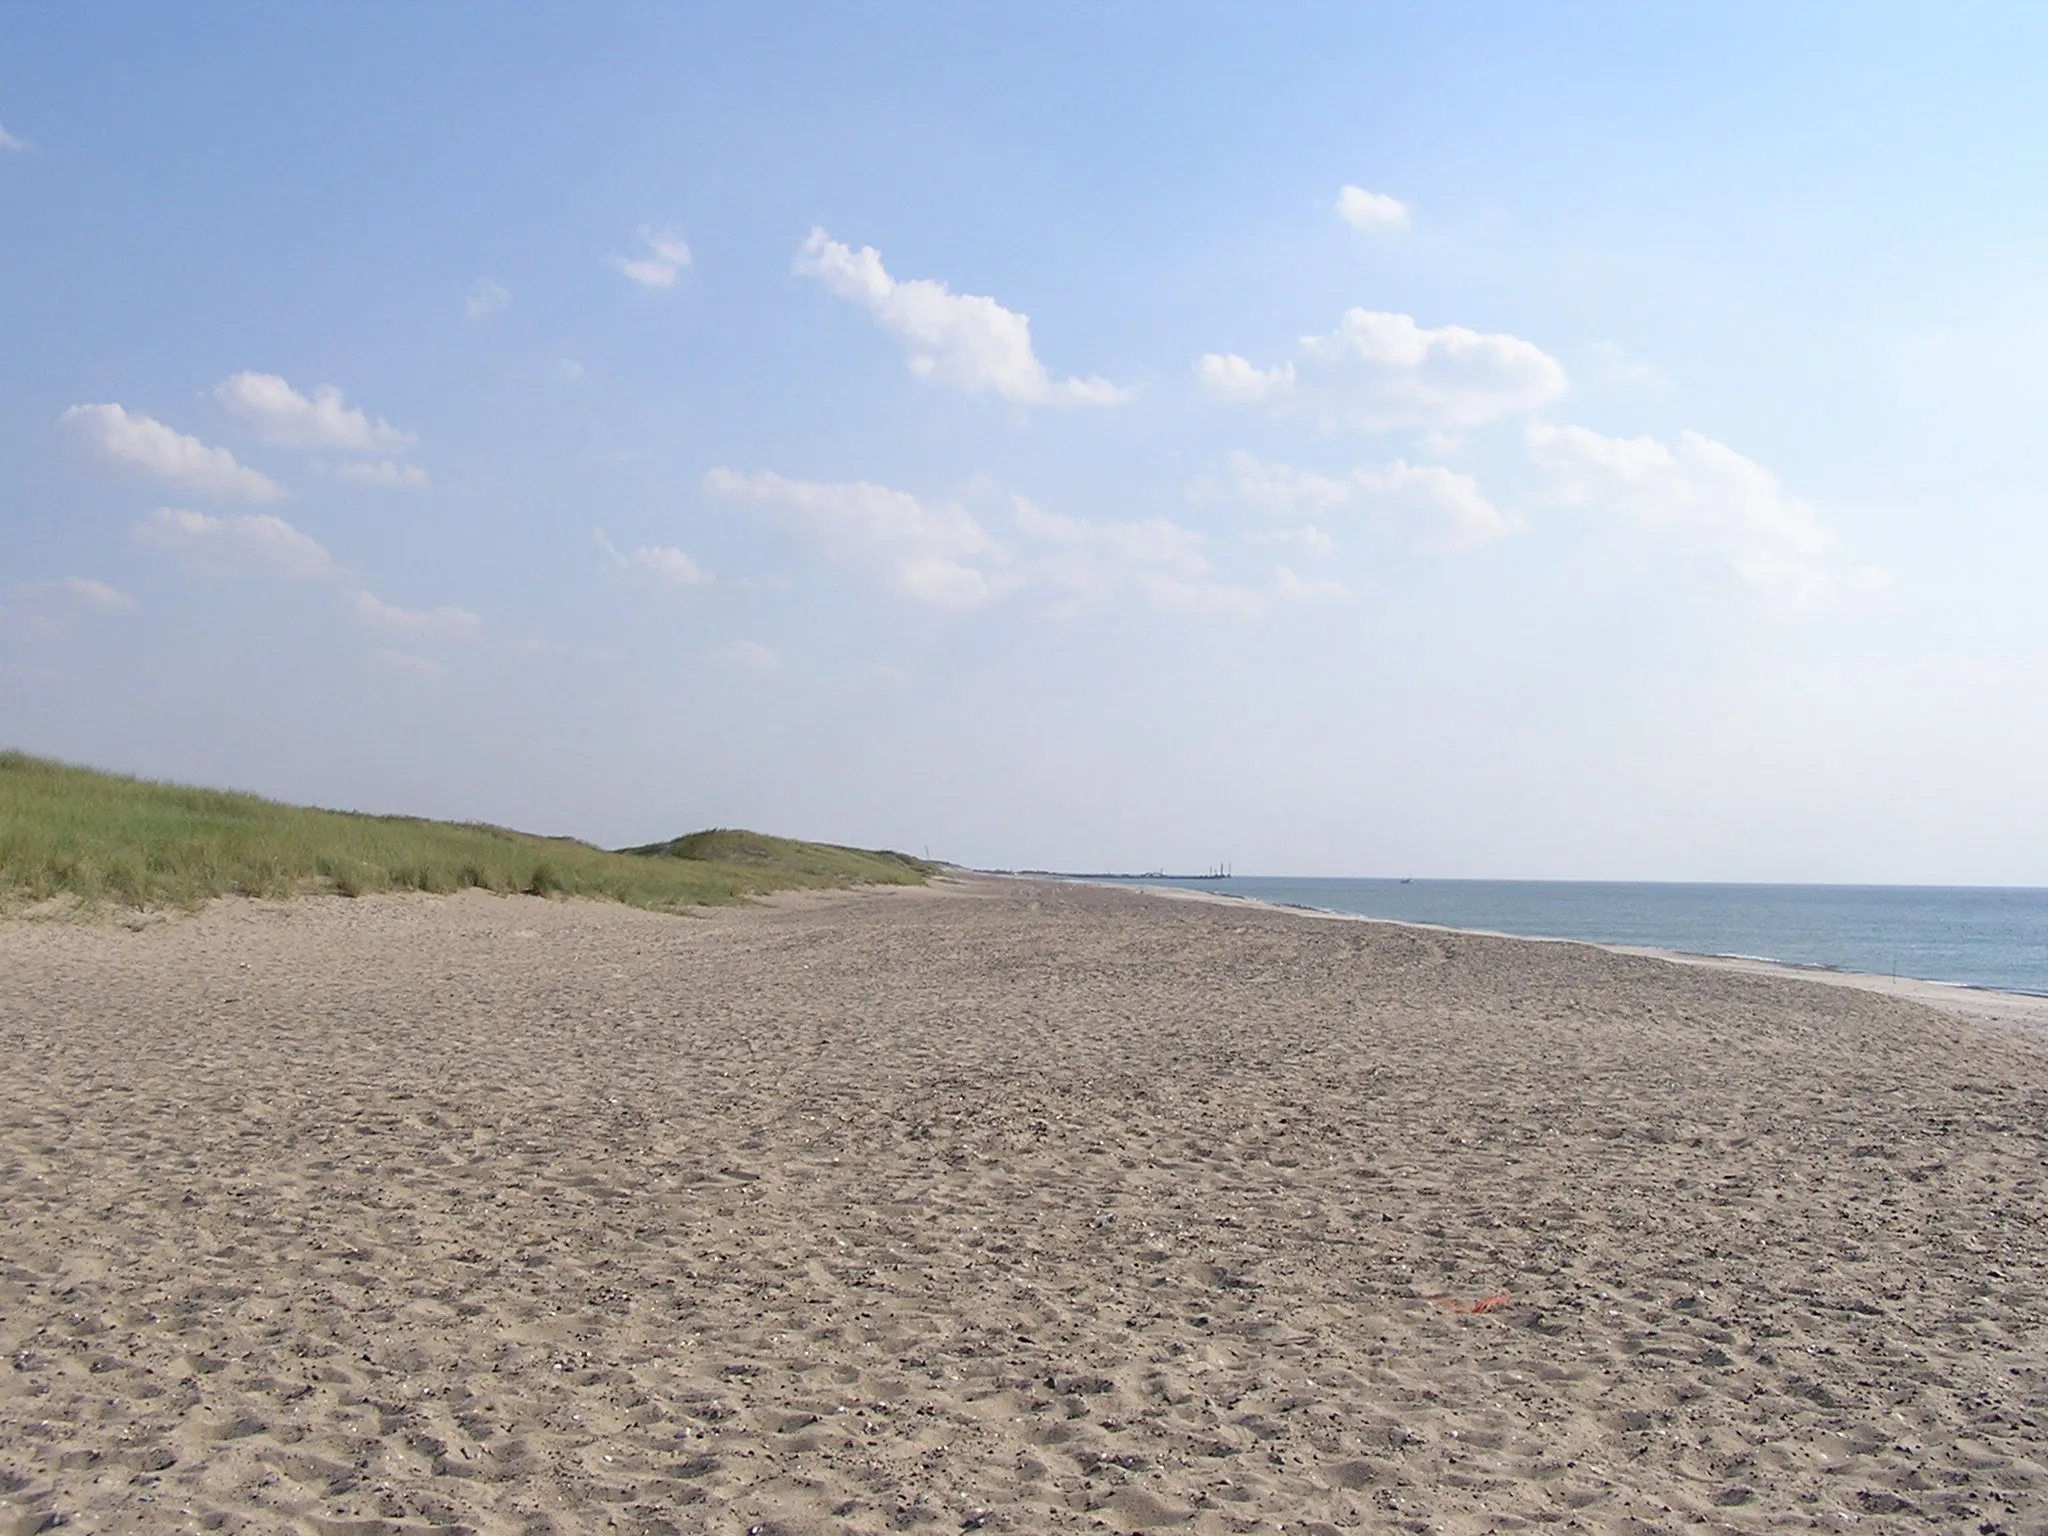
(1972, 936)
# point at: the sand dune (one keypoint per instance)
(999, 1206)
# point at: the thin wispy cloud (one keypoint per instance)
(144, 446)
(9, 143)
(1374, 212)
(276, 413)
(934, 551)
(242, 544)
(751, 655)
(445, 623)
(964, 340)
(670, 256)
(662, 563)
(1613, 365)
(1696, 489)
(79, 592)
(1437, 510)
(927, 548)
(48, 612)
(1379, 371)
(486, 297)
(384, 472)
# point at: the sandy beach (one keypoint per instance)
(997, 1206)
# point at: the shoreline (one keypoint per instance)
(1965, 999)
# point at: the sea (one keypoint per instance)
(1994, 937)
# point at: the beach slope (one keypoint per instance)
(995, 1205)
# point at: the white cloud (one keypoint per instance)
(425, 624)
(277, 413)
(666, 563)
(79, 592)
(244, 544)
(1438, 510)
(1230, 377)
(1698, 488)
(1283, 489)
(487, 296)
(924, 546)
(8, 142)
(970, 342)
(936, 552)
(1155, 541)
(1082, 560)
(662, 562)
(1378, 371)
(382, 472)
(661, 269)
(1373, 212)
(751, 654)
(1442, 511)
(143, 445)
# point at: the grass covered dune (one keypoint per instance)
(100, 837)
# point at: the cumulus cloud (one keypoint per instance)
(970, 342)
(1438, 510)
(659, 270)
(1700, 489)
(145, 446)
(240, 545)
(1230, 377)
(1378, 371)
(277, 413)
(486, 297)
(382, 472)
(1373, 212)
(426, 624)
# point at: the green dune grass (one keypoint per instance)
(101, 838)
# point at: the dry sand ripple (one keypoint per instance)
(1005, 1207)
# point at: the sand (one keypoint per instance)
(998, 1206)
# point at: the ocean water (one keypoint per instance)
(1974, 936)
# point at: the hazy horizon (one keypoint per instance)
(1463, 442)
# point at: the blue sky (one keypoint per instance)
(1585, 441)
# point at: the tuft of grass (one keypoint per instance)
(100, 837)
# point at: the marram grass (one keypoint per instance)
(100, 838)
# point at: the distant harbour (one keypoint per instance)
(1993, 937)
